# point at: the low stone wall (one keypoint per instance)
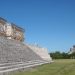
(42, 52)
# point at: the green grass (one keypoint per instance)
(58, 67)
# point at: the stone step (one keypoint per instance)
(8, 64)
(19, 66)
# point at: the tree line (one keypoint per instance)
(63, 55)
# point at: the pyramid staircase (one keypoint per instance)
(15, 56)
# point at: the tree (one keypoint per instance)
(59, 55)
(56, 55)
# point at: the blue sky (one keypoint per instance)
(49, 23)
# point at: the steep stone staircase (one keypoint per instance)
(15, 55)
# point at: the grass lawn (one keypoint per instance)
(58, 67)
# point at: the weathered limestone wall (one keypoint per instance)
(11, 31)
(2, 29)
(18, 35)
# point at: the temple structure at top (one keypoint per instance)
(10, 30)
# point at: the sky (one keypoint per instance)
(48, 23)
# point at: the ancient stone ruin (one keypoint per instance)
(16, 55)
(10, 30)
